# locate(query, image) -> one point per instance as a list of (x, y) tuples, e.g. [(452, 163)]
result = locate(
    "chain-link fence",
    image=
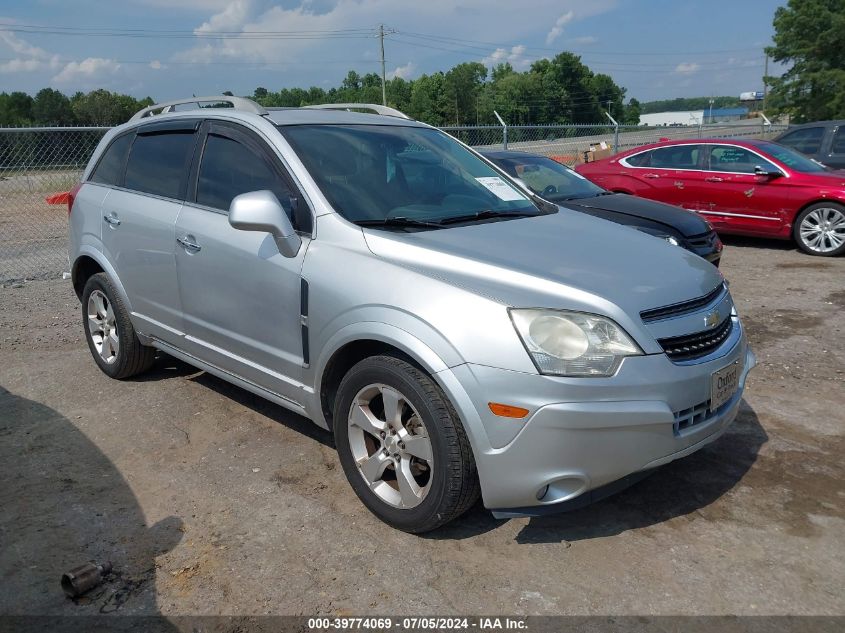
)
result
[(568, 143), (36, 163)]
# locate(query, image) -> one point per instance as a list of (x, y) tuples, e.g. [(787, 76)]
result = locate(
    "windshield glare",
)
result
[(793, 159), (376, 172), (548, 178)]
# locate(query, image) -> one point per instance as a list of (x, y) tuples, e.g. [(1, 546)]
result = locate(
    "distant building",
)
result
[(684, 117), (722, 115)]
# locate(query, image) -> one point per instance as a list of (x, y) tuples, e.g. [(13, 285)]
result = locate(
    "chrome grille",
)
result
[(696, 345), (684, 307)]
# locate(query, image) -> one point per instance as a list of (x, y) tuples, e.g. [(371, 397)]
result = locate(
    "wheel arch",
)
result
[(90, 262), (357, 342)]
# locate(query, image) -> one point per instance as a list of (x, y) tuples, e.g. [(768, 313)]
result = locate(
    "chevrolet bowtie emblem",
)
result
[(712, 319)]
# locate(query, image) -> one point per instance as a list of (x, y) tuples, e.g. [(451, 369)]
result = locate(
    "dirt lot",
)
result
[(211, 501)]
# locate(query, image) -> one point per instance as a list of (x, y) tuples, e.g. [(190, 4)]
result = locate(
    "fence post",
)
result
[(764, 124), (615, 133), (504, 130)]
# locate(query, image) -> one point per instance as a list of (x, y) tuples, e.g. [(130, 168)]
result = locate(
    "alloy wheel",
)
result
[(390, 445), (102, 327), (823, 229)]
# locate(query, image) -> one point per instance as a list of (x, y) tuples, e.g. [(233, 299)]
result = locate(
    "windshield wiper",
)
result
[(487, 213), (399, 221)]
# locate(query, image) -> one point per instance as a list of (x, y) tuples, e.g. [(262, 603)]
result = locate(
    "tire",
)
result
[(820, 229), (428, 494), (109, 331)]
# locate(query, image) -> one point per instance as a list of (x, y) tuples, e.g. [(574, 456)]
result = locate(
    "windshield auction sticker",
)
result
[(500, 188)]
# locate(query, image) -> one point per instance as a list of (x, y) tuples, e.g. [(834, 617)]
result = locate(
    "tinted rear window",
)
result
[(109, 171), (158, 163)]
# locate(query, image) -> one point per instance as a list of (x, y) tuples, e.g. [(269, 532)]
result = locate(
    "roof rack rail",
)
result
[(238, 103), (373, 107)]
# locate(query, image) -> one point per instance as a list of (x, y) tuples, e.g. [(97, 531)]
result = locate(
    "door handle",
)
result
[(112, 219), (714, 179), (651, 175), (188, 244)]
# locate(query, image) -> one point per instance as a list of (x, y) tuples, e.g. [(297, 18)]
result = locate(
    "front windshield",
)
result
[(548, 178), (792, 159), (372, 173)]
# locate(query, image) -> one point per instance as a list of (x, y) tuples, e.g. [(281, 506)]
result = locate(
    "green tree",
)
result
[(809, 35), (51, 107), (463, 87), (15, 109), (632, 113)]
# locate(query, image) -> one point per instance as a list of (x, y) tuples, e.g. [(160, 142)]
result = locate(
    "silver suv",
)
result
[(458, 335)]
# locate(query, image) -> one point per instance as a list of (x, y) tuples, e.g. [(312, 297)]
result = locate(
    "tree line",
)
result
[(555, 91), (50, 107), (562, 90)]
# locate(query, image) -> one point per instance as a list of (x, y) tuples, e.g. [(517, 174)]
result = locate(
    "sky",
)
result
[(169, 49)]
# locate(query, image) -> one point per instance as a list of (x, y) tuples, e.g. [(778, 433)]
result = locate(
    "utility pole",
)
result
[(383, 84), (710, 116), (765, 83)]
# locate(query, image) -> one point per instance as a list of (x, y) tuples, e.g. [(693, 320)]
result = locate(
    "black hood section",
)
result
[(620, 205)]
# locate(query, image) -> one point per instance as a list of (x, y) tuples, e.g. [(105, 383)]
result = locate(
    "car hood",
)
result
[(566, 260), (687, 222)]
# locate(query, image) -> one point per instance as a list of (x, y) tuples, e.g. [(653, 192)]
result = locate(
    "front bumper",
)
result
[(583, 434)]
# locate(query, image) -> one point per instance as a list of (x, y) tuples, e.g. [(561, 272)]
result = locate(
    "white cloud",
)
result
[(157, 65), (687, 68), (28, 58), (90, 68), (557, 29), (403, 72), (585, 40), (503, 22), (515, 56), (231, 18)]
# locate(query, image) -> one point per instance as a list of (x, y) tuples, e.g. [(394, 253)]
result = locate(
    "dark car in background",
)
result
[(823, 141), (561, 185)]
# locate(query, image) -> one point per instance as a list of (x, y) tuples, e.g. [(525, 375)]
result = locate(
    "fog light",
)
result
[(542, 492)]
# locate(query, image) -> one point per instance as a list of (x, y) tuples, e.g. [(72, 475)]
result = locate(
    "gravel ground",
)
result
[(210, 500)]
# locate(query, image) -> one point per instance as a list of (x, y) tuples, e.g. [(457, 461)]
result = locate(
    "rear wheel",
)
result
[(820, 229), (109, 331), (402, 447)]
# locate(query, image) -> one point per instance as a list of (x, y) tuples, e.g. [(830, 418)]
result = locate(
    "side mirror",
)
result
[(759, 171), (261, 211)]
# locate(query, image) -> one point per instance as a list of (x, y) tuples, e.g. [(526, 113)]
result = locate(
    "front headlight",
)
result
[(672, 240), (573, 343)]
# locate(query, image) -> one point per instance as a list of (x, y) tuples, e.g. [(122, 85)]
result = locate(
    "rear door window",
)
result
[(676, 157), (110, 168), (158, 163), (806, 140)]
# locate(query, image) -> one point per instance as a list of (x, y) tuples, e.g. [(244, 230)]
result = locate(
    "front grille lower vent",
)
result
[(685, 307), (694, 346)]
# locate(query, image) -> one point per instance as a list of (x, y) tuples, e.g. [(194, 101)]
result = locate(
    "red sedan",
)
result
[(754, 188)]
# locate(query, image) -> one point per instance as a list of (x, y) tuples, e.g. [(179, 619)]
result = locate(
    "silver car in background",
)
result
[(458, 335)]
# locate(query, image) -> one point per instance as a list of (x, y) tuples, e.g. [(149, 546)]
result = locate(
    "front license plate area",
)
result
[(723, 384)]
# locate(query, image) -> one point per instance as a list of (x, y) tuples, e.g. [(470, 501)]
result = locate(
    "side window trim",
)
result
[(254, 142)]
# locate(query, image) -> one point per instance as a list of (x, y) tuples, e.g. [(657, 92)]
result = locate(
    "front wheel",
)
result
[(402, 447), (820, 229)]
